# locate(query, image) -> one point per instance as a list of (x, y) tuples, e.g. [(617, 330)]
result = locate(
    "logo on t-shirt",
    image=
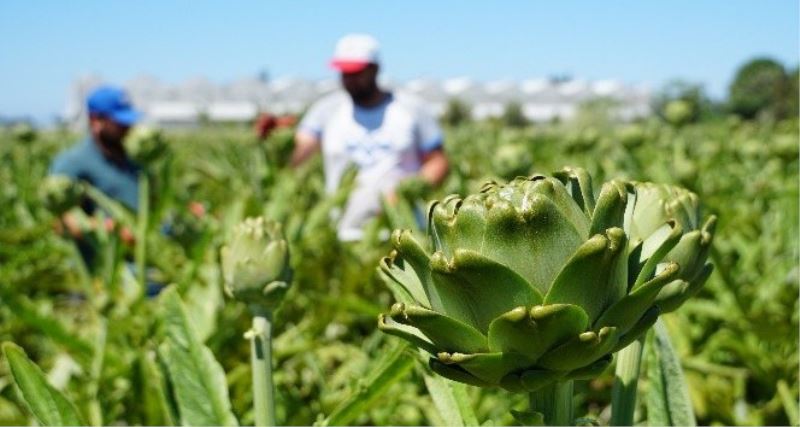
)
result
[(367, 152)]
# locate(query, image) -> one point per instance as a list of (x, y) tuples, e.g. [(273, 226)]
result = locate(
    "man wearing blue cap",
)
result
[(101, 159)]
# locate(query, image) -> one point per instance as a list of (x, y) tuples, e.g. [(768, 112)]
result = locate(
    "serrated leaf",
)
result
[(197, 378), (668, 401)]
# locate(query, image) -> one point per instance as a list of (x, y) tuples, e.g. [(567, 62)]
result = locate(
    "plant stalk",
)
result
[(555, 403), (626, 379), (261, 351)]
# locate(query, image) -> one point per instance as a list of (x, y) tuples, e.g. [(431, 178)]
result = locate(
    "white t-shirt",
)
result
[(386, 143)]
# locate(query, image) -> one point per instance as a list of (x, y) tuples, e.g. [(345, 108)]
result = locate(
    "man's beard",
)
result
[(109, 139), (362, 96)]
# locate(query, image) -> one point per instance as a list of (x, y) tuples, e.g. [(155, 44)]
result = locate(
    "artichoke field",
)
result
[(542, 298)]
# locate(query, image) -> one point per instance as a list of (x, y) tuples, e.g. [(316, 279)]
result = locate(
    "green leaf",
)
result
[(157, 408), (533, 332), (408, 333), (451, 400), (385, 372), (579, 185), (29, 314), (414, 253), (640, 328), (446, 333), (48, 405), (197, 378), (534, 242), (672, 234), (488, 367), (595, 277), (627, 311), (456, 373), (580, 351), (667, 399), (476, 289), (610, 209), (401, 280)]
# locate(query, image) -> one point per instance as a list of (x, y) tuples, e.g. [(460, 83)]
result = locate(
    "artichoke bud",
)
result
[(255, 264), (657, 205), (535, 280), (512, 160), (60, 193), (145, 145)]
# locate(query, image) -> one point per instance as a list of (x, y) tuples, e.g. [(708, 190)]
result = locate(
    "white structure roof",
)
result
[(232, 111), (172, 112), (242, 99)]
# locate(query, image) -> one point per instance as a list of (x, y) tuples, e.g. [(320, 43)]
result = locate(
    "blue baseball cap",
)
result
[(114, 103)]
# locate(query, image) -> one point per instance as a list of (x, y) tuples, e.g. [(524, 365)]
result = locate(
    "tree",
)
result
[(761, 87), (456, 112), (513, 116)]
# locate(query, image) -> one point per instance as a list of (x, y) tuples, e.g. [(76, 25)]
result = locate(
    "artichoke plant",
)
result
[(536, 281), (512, 160), (255, 266)]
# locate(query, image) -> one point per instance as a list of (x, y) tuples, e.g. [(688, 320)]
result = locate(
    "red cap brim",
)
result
[(349, 66)]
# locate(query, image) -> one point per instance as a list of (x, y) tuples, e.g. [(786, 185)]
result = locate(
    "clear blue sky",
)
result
[(45, 45)]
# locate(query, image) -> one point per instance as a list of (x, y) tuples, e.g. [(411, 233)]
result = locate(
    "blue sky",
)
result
[(45, 45)]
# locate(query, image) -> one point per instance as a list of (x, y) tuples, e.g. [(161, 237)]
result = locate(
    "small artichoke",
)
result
[(678, 112), (60, 193), (145, 145), (662, 212), (512, 160), (537, 281), (255, 264)]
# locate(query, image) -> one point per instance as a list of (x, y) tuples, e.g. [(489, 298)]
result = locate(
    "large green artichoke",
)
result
[(255, 264), (537, 281)]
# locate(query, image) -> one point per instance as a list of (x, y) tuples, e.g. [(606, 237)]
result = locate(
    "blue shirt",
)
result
[(84, 161)]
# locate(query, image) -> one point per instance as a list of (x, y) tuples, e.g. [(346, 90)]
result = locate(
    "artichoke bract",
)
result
[(537, 281), (255, 264)]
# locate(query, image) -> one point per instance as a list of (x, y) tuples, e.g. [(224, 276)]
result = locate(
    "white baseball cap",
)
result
[(354, 52)]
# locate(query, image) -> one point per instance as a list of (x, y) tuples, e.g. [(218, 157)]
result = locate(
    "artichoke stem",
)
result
[(626, 378), (261, 351), (555, 403)]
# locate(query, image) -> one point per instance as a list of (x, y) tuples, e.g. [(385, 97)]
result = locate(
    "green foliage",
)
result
[(736, 338), (47, 404), (680, 102), (456, 112), (668, 402), (197, 379), (513, 115)]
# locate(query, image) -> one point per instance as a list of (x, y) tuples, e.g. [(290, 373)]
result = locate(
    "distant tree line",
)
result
[(762, 88)]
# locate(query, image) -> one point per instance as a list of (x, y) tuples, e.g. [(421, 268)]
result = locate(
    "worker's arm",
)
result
[(305, 145), (432, 173), (434, 167)]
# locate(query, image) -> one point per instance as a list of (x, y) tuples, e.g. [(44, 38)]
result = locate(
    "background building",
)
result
[(199, 100)]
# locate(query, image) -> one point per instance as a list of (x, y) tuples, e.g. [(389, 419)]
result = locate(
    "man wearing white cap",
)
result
[(389, 136)]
